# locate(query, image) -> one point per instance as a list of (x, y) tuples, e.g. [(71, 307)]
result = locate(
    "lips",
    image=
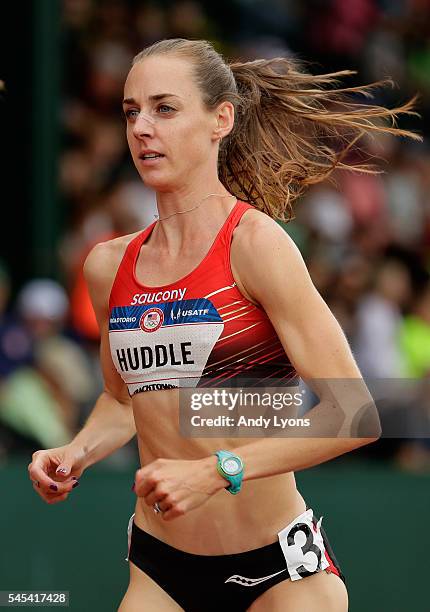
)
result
[(150, 155)]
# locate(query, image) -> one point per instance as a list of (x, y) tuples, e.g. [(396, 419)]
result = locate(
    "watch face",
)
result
[(231, 466)]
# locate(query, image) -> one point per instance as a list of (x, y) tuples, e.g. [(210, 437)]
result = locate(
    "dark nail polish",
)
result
[(133, 486), (74, 478), (53, 487), (76, 484)]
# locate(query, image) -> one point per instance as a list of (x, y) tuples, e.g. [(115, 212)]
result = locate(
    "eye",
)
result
[(131, 114), (165, 108)]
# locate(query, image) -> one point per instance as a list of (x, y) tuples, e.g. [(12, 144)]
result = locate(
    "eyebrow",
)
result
[(154, 98)]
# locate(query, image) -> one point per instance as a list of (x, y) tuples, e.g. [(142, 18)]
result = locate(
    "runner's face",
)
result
[(176, 125)]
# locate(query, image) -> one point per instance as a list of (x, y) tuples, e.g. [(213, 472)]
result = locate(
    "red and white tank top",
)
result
[(197, 331)]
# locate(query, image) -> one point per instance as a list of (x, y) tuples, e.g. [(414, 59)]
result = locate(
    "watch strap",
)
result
[(236, 479)]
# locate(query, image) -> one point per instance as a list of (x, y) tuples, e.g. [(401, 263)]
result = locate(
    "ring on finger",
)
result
[(157, 508)]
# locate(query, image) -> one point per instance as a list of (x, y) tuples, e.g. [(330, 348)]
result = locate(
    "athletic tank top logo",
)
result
[(151, 320), (158, 296)]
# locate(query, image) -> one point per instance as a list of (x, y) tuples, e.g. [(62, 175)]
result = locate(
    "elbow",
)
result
[(371, 433), (355, 443), (364, 441), (366, 430), (366, 427)]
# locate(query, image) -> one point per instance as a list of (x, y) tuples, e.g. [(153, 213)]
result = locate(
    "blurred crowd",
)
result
[(366, 239)]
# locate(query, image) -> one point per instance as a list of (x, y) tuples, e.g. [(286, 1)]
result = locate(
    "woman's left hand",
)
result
[(177, 485)]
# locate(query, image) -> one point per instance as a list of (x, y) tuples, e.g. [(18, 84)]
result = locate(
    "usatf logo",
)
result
[(188, 313), (152, 320)]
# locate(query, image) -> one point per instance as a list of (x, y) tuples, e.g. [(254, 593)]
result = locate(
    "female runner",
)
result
[(214, 290)]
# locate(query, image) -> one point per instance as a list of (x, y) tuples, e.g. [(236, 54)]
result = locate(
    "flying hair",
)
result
[(292, 129)]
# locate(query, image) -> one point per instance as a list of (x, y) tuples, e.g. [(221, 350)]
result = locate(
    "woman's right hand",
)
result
[(55, 472)]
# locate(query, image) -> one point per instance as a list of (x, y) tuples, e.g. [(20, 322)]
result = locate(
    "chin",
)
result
[(158, 181)]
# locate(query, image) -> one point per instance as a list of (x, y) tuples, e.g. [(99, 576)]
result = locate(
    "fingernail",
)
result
[(74, 478), (76, 484), (133, 486), (53, 487)]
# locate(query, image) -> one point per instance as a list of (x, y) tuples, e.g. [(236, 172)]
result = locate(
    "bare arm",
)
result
[(111, 423), (109, 426), (315, 345)]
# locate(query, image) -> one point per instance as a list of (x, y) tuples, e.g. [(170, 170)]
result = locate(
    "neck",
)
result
[(185, 197), (185, 227)]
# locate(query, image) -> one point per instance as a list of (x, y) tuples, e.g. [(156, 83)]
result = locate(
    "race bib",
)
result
[(164, 345), (303, 546)]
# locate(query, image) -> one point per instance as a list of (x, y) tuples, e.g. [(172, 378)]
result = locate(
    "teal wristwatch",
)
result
[(230, 466)]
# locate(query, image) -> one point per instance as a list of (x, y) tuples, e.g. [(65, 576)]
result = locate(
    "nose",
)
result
[(143, 125)]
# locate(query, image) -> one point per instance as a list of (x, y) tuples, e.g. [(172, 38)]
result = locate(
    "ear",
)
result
[(224, 120)]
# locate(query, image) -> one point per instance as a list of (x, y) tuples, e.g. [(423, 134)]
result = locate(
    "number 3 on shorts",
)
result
[(303, 547)]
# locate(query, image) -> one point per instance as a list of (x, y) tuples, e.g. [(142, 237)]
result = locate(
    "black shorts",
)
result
[(232, 582)]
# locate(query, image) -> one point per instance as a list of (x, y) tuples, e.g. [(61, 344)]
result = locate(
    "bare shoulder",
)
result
[(100, 268), (103, 260), (259, 233), (265, 259)]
